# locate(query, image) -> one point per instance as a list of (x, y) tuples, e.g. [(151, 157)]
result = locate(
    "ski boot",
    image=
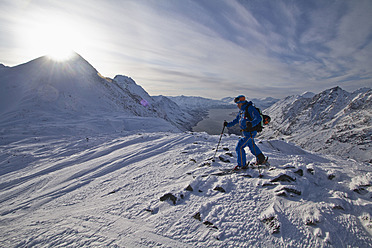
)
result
[(262, 160)]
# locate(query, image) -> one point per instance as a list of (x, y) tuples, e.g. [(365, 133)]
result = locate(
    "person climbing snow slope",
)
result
[(248, 119)]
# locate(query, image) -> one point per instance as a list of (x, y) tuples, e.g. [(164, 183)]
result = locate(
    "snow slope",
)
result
[(158, 189), (87, 161), (332, 122)]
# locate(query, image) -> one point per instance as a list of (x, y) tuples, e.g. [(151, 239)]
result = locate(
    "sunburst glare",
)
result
[(60, 54), (56, 38)]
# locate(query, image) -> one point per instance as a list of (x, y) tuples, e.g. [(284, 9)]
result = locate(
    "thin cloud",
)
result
[(211, 48)]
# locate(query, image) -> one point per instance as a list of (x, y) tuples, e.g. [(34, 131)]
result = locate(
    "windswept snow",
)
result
[(105, 191), (88, 161)]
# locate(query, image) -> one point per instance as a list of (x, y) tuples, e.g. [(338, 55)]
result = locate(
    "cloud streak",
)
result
[(213, 48)]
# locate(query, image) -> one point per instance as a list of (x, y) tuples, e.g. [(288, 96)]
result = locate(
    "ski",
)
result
[(223, 172)]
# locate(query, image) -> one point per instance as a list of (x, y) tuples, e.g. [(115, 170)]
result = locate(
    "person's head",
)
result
[(240, 100)]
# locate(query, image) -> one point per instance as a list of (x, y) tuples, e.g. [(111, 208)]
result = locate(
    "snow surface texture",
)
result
[(158, 189), (332, 122), (83, 163)]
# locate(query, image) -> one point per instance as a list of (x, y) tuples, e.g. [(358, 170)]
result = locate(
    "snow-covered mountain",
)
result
[(264, 103), (184, 119), (62, 186), (196, 107), (215, 111), (74, 93), (199, 103), (261, 103), (333, 121)]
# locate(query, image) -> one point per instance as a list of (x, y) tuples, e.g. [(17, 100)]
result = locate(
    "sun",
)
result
[(58, 40), (55, 37), (60, 54)]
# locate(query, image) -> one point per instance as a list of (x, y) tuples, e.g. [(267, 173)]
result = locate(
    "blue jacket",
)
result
[(242, 120)]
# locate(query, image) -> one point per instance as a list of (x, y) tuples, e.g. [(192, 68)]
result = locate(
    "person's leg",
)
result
[(260, 158), (253, 147), (240, 152)]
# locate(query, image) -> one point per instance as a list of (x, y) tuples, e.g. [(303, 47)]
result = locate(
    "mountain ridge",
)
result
[(333, 121), (73, 93), (110, 171), (44, 90)]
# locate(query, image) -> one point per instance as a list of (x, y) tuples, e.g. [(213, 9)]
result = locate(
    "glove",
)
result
[(249, 125), (225, 123)]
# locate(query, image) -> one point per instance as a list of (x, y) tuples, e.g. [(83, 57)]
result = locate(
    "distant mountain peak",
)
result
[(337, 88), (63, 91), (307, 94), (75, 65), (333, 121), (123, 78)]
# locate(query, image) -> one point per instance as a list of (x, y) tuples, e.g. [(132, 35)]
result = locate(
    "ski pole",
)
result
[(223, 129), (258, 166)]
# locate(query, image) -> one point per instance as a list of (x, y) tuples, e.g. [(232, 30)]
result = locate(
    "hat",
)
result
[(239, 99)]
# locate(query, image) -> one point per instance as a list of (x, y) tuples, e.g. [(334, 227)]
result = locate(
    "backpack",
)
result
[(265, 120)]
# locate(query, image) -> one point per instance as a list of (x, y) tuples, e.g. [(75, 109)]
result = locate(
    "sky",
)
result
[(208, 48)]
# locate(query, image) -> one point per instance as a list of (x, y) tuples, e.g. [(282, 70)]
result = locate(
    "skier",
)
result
[(248, 128)]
